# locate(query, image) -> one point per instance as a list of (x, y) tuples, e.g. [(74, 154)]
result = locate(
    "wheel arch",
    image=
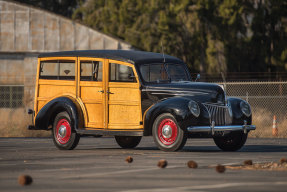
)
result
[(178, 107), (48, 112)]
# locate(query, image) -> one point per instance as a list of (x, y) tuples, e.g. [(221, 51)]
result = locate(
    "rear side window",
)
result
[(57, 69), (121, 73), (91, 71)]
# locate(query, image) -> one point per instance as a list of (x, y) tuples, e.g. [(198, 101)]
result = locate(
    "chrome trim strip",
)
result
[(212, 129), (216, 104)]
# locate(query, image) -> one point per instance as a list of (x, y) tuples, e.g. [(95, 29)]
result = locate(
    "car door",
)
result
[(123, 97), (91, 91)]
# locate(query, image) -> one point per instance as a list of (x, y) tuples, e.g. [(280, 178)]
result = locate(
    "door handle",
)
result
[(108, 92), (102, 91)]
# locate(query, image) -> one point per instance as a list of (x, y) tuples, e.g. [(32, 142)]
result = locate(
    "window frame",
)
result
[(135, 79), (58, 59), (83, 59)]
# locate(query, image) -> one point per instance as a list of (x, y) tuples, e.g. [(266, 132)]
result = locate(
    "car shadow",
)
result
[(185, 149), (245, 149), (264, 148)]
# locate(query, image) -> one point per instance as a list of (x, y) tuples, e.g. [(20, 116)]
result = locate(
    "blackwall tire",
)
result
[(231, 142), (64, 137), (167, 134), (128, 142)]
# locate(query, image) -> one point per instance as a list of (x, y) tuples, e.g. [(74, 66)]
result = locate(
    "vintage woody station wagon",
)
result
[(130, 94)]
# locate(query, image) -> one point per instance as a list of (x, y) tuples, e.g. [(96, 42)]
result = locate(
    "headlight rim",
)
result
[(191, 109), (243, 111)]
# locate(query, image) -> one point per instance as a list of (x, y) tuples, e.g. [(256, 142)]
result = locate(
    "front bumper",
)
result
[(212, 128)]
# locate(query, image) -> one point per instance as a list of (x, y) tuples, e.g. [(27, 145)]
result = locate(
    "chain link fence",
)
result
[(267, 100)]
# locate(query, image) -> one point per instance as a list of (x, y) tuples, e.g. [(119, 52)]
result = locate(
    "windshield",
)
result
[(156, 73)]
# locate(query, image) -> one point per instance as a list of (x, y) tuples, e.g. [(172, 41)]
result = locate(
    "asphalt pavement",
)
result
[(98, 164)]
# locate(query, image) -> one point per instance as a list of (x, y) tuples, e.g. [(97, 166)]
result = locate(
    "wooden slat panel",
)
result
[(123, 114), (56, 82), (124, 94), (125, 126), (95, 115), (41, 104), (50, 91), (91, 93)]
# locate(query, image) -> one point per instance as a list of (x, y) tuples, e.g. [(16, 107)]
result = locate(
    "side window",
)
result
[(121, 73), (91, 71), (177, 72), (57, 69), (153, 73), (145, 72)]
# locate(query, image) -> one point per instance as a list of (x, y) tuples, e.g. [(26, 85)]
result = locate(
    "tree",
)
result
[(211, 36), (61, 7)]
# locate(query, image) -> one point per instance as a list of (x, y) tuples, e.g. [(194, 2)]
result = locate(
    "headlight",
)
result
[(245, 108), (194, 108)]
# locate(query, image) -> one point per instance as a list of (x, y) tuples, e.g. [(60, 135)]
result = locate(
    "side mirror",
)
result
[(197, 77)]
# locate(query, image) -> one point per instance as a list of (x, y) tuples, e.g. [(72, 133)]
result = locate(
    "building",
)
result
[(25, 32)]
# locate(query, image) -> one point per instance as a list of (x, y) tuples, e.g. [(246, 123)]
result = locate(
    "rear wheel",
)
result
[(128, 142), (64, 136), (231, 142), (167, 134)]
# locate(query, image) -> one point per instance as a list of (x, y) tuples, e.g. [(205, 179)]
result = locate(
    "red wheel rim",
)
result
[(167, 131), (63, 131)]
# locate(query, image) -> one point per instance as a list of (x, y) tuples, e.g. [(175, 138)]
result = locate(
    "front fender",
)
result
[(47, 114), (177, 106), (237, 116)]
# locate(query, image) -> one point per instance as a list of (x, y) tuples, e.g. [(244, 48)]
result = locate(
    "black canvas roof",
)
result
[(130, 56)]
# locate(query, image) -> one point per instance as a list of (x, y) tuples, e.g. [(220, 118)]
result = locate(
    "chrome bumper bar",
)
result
[(212, 128)]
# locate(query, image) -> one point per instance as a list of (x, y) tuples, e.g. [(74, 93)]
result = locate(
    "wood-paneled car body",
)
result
[(130, 94)]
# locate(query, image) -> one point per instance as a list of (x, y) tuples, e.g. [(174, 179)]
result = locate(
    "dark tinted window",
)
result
[(91, 71), (58, 69), (176, 72), (154, 73), (121, 73), (163, 72)]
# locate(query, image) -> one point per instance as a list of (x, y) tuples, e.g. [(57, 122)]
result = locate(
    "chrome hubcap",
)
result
[(166, 131), (62, 131)]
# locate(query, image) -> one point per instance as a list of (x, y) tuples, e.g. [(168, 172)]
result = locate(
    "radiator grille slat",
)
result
[(219, 114)]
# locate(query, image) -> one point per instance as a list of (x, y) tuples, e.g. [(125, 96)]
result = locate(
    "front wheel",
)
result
[(231, 142), (63, 136), (128, 142), (167, 134)]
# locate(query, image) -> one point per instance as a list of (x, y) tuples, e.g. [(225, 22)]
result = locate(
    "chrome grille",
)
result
[(219, 114)]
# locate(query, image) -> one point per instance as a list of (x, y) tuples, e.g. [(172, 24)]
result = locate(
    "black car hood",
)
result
[(198, 91)]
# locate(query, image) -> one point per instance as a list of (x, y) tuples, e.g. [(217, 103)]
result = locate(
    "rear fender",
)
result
[(47, 114)]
